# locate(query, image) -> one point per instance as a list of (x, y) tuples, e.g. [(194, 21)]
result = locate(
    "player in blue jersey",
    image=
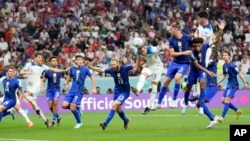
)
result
[(121, 89), (10, 84), (33, 71), (78, 74), (53, 90), (179, 49), (231, 71), (204, 31)]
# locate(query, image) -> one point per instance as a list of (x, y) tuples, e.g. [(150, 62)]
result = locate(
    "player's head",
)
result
[(226, 55), (203, 17), (53, 61), (214, 55), (11, 71), (79, 60), (114, 64), (138, 42), (175, 28), (197, 44), (38, 58)]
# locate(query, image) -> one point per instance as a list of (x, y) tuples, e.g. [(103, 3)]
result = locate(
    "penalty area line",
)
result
[(242, 116), (3, 139)]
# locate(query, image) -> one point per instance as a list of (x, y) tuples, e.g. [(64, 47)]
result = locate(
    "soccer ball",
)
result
[(138, 42)]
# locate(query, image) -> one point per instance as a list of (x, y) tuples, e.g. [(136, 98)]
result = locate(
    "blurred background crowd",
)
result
[(102, 29)]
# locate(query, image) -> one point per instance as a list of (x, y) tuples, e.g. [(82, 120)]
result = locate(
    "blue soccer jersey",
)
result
[(121, 78), (79, 76), (180, 45), (232, 71), (200, 57), (53, 80), (212, 66)]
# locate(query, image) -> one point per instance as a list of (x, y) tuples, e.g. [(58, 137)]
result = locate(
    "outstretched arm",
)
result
[(197, 65), (221, 79), (221, 26), (243, 80)]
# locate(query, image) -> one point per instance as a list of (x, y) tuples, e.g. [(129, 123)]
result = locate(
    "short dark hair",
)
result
[(227, 52), (37, 54), (176, 25), (203, 14), (79, 56), (53, 57), (197, 40)]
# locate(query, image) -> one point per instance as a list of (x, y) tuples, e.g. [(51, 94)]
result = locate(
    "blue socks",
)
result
[(176, 91), (186, 96), (225, 109), (162, 94), (123, 117), (208, 113), (109, 117), (231, 106), (77, 116)]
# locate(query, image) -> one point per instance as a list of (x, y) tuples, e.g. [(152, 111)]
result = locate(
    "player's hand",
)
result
[(43, 91), (246, 86), (211, 74), (94, 91), (134, 68), (222, 24)]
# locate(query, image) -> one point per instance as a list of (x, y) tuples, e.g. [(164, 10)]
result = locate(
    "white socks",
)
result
[(141, 82), (152, 96)]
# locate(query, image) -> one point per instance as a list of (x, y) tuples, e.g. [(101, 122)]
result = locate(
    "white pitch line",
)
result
[(3, 139), (242, 116)]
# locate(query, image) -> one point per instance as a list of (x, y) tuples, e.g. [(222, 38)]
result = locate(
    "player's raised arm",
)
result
[(93, 84), (43, 78), (221, 26), (243, 80), (197, 65)]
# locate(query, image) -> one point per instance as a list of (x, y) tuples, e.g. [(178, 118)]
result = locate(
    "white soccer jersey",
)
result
[(34, 79), (206, 31), (152, 58)]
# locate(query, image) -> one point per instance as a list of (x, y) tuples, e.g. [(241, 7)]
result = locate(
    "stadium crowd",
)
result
[(102, 29)]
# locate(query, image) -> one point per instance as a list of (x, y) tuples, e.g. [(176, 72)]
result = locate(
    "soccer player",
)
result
[(204, 31), (153, 67), (33, 71), (121, 89), (230, 70), (53, 90), (78, 73), (179, 49), (199, 57), (11, 84)]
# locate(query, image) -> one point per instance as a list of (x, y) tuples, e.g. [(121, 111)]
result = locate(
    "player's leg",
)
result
[(202, 80), (140, 84), (119, 102), (6, 104), (19, 109), (54, 106), (182, 69), (76, 101), (232, 106), (225, 101)]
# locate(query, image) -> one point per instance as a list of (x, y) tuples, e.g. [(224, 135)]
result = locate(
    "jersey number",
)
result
[(120, 81)]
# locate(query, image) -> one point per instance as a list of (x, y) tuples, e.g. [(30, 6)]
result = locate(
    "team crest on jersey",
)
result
[(226, 70), (179, 44)]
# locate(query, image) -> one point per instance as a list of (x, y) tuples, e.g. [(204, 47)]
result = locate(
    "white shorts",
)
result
[(154, 71), (35, 91)]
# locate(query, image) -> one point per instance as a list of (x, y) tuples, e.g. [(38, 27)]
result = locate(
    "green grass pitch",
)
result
[(164, 124)]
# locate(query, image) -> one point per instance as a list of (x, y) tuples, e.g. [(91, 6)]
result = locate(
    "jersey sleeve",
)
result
[(88, 72), (107, 70), (206, 33), (44, 74), (129, 67), (235, 68), (153, 49), (19, 84), (224, 70), (45, 67), (2, 78), (193, 58), (27, 66)]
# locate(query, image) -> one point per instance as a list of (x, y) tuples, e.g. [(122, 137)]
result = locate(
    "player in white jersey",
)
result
[(33, 71), (153, 67)]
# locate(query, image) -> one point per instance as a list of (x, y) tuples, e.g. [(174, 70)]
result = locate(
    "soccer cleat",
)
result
[(38, 113), (220, 119), (201, 111), (52, 123), (193, 98), (58, 121), (211, 124), (238, 113), (29, 124), (78, 125), (103, 126), (47, 123), (12, 113), (184, 109), (126, 124), (146, 110), (135, 91), (158, 106), (173, 104)]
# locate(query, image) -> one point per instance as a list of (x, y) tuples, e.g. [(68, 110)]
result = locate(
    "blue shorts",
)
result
[(9, 103), (121, 97), (51, 95), (210, 92), (229, 92), (175, 68), (73, 98), (193, 76)]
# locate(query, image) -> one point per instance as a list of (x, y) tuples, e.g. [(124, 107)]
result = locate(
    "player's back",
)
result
[(207, 32), (180, 45), (232, 70), (78, 75), (212, 81)]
